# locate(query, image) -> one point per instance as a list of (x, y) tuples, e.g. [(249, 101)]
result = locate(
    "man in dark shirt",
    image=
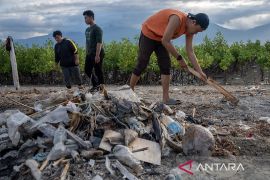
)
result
[(66, 53), (94, 50)]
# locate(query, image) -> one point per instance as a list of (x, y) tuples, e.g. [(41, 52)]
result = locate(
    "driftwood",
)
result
[(19, 103), (65, 171)]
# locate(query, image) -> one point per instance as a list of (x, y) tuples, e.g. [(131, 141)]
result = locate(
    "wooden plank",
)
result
[(143, 150), (214, 84), (14, 65), (151, 154)]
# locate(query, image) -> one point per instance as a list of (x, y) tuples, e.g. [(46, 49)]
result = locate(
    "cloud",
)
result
[(24, 19), (247, 22)]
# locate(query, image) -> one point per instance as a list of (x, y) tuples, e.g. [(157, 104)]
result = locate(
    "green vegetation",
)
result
[(121, 56)]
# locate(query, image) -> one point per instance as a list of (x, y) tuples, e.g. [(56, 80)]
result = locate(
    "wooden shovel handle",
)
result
[(213, 83)]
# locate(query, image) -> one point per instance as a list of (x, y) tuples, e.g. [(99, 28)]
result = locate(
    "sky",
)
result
[(28, 18)]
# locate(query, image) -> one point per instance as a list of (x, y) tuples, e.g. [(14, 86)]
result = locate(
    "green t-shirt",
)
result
[(93, 36)]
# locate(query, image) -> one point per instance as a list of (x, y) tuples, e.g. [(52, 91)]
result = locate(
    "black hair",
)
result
[(55, 33), (89, 13)]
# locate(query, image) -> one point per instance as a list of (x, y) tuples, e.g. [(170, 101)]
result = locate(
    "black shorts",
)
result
[(146, 47)]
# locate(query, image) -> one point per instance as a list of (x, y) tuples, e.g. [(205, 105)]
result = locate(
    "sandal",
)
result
[(173, 102)]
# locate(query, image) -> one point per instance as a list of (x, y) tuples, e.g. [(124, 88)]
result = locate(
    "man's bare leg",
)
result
[(133, 81), (165, 81)]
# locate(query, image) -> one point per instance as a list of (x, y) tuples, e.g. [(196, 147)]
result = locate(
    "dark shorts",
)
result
[(146, 47)]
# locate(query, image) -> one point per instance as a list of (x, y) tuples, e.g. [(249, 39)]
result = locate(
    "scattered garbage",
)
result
[(13, 124), (88, 154), (266, 119), (130, 136), (116, 129), (243, 126), (124, 155), (33, 165), (173, 126), (180, 115)]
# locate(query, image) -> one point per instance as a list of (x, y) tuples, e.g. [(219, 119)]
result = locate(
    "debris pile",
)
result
[(113, 128)]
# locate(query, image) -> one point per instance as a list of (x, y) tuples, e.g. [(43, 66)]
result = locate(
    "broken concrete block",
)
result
[(198, 141)]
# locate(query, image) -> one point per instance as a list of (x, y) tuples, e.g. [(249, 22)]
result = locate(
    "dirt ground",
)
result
[(236, 129)]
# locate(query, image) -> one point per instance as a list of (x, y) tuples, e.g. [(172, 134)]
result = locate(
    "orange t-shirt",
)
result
[(154, 27)]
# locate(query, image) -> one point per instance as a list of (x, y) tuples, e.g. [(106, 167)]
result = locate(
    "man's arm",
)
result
[(73, 46), (56, 55), (192, 57), (173, 24), (74, 50), (99, 44)]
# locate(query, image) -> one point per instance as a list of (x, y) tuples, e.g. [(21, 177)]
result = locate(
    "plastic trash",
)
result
[(136, 125), (60, 135), (180, 115), (266, 119), (54, 98), (88, 97), (40, 157), (92, 162), (33, 165), (71, 107), (125, 156), (79, 141), (5, 142), (38, 106), (75, 155), (96, 98), (47, 129), (198, 141), (97, 177), (173, 126), (102, 119), (13, 123), (76, 93), (124, 92), (5, 115), (59, 149), (244, 126), (56, 116)]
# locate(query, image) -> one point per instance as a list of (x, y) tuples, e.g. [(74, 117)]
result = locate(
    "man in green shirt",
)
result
[(94, 50)]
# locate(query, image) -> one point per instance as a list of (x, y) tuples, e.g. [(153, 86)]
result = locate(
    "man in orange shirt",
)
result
[(157, 32)]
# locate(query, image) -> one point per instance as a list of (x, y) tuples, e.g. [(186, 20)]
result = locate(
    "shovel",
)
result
[(213, 83)]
